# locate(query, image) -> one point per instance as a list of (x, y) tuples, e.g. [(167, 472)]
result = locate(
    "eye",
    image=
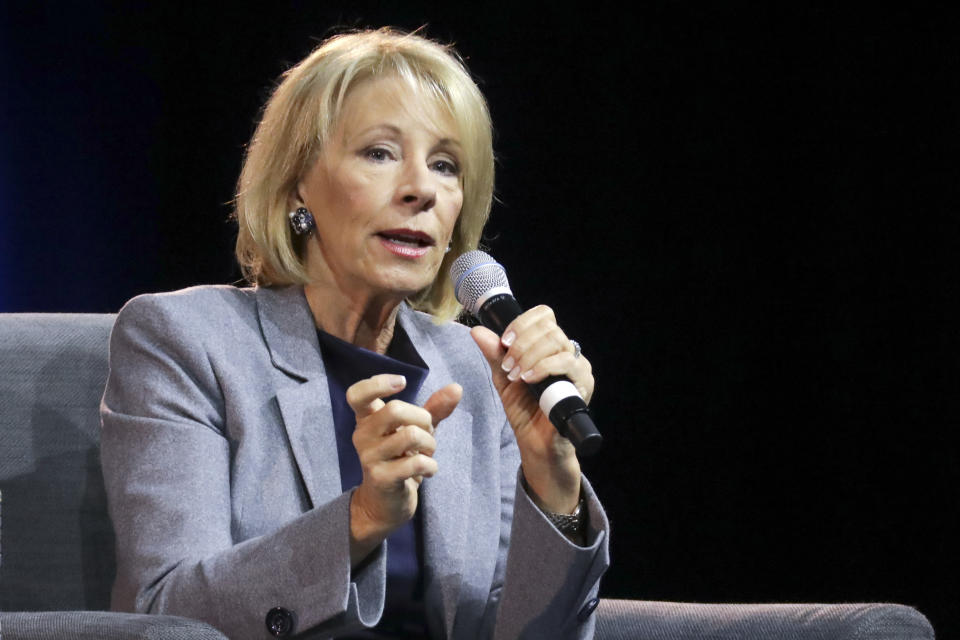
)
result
[(377, 154), (445, 167)]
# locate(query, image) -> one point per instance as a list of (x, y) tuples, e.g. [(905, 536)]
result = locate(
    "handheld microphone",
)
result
[(480, 284)]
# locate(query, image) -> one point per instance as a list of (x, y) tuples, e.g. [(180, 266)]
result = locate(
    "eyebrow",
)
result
[(392, 128)]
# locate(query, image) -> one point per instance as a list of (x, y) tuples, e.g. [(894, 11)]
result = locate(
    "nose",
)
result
[(417, 188)]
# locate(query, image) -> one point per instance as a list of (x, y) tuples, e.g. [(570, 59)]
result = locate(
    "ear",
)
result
[(295, 199)]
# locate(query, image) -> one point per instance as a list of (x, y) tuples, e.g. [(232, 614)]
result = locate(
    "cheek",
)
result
[(455, 204), (363, 197), (355, 201)]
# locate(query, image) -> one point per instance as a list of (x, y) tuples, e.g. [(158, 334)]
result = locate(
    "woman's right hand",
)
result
[(394, 441)]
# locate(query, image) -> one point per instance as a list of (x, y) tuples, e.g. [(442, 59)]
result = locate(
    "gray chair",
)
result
[(57, 541)]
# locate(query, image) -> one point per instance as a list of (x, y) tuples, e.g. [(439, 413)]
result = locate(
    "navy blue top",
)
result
[(346, 364)]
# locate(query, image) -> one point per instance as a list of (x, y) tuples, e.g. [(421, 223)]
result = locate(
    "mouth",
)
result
[(406, 243), (407, 237)]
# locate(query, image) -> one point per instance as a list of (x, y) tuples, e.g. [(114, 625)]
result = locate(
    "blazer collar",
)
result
[(288, 329)]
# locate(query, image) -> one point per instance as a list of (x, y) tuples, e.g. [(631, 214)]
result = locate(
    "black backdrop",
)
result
[(747, 215)]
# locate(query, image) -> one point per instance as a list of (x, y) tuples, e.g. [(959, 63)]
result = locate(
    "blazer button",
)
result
[(280, 622), (587, 610)]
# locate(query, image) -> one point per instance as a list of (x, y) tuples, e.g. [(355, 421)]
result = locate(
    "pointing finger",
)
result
[(365, 397)]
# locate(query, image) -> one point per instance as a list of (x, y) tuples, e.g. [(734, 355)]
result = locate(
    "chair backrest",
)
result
[(57, 538)]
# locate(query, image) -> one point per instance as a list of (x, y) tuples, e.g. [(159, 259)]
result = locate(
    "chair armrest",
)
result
[(102, 625), (628, 619)]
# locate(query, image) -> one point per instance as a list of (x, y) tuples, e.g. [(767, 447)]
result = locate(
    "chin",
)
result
[(403, 283)]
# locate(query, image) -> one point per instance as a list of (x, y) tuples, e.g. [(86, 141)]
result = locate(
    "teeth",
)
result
[(410, 242)]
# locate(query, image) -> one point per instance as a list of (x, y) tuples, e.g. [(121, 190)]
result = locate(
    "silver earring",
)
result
[(301, 221), (449, 247)]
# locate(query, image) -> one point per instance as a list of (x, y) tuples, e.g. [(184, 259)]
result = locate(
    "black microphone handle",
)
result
[(570, 415), (498, 311)]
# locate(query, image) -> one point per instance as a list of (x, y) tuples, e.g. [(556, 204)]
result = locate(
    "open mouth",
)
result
[(406, 237), (406, 243)]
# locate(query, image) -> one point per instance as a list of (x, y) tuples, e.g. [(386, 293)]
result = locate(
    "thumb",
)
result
[(489, 344), (490, 347), (443, 401)]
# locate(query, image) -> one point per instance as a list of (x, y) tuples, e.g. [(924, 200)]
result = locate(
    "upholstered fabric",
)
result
[(102, 625), (632, 619), (56, 533), (55, 536)]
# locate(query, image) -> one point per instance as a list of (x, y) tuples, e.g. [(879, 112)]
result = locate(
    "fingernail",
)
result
[(526, 375), (507, 363), (514, 373), (508, 338), (398, 382)]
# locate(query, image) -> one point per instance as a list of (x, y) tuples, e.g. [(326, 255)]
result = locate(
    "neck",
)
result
[(366, 322)]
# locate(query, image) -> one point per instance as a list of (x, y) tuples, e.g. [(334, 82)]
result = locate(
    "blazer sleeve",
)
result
[(544, 586), (167, 467)]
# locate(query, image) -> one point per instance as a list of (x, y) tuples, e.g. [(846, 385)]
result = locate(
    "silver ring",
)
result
[(576, 348)]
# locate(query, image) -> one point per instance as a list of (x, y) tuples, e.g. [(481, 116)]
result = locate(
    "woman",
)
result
[(325, 452)]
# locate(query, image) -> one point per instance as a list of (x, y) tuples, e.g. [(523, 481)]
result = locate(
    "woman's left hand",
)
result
[(532, 348)]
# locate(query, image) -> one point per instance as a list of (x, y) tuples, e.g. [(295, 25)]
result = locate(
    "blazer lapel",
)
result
[(289, 331), (445, 498)]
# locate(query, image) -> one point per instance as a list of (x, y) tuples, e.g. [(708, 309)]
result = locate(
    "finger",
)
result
[(391, 473), (489, 344), (365, 397), (578, 370), (531, 338), (397, 413), (549, 343), (443, 401), (531, 317), (372, 428), (405, 441)]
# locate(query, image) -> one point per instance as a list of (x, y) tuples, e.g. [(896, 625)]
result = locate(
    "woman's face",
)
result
[(385, 192)]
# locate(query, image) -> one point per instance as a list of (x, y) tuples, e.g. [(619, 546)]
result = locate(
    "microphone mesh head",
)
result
[(473, 274)]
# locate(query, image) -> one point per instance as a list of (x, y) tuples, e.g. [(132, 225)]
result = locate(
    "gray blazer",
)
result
[(224, 487)]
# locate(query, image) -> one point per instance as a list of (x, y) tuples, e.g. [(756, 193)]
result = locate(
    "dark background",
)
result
[(748, 215)]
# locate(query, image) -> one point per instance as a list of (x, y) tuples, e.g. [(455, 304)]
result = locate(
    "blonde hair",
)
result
[(301, 115)]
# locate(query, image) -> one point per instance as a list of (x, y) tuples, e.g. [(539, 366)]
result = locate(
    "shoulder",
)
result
[(194, 308), (185, 318), (164, 350), (203, 300)]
